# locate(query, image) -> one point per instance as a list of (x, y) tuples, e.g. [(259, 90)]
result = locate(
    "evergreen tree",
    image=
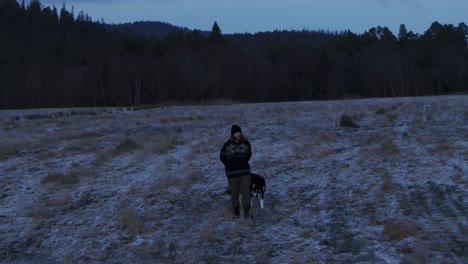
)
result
[(66, 18), (216, 35), (403, 33), (50, 59)]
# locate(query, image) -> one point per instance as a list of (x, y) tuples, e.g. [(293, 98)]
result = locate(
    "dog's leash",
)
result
[(212, 181), (204, 190)]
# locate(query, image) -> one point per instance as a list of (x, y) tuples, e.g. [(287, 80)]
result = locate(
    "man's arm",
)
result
[(249, 153), (223, 155)]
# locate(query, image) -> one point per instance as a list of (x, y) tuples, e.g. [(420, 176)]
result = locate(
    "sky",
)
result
[(240, 16)]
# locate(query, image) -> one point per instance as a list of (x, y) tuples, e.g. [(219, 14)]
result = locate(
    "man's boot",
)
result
[(247, 214), (236, 212)]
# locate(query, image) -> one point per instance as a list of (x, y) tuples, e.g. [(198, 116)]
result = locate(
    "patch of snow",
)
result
[(150, 185)]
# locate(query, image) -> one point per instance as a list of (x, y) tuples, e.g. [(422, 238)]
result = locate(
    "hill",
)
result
[(103, 185)]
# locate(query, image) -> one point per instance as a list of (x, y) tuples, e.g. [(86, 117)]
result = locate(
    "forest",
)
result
[(51, 57)]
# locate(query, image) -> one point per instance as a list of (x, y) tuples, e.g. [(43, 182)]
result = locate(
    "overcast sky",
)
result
[(239, 16)]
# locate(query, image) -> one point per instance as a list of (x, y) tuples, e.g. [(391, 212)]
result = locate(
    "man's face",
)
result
[(237, 135)]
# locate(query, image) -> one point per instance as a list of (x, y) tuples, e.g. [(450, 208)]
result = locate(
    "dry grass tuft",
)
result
[(387, 185), (58, 200), (444, 147), (202, 148), (10, 148), (347, 121), (38, 212), (370, 139), (126, 145), (372, 213), (7, 152), (71, 177), (388, 148), (134, 189), (163, 185), (458, 178), (226, 213), (264, 253), (193, 175), (415, 258), (325, 137), (100, 157), (165, 144), (392, 118), (406, 248), (74, 147), (304, 151), (208, 235), (162, 146), (399, 229), (85, 135), (306, 234), (131, 221), (315, 146), (380, 111)]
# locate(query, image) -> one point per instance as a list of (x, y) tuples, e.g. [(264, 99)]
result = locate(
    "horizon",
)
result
[(358, 17)]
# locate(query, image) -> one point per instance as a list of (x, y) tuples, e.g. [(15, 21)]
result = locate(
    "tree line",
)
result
[(54, 58)]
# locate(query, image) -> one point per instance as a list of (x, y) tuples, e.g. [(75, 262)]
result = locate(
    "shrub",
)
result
[(100, 157), (163, 146), (389, 148), (387, 185), (8, 151), (70, 177), (397, 230), (380, 111), (347, 121), (38, 212), (126, 145), (131, 221)]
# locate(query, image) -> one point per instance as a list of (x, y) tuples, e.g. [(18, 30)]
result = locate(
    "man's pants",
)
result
[(240, 185)]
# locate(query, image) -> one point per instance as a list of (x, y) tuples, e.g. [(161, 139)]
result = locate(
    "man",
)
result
[(235, 155)]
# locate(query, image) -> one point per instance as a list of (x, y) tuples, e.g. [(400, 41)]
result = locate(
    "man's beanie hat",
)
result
[(235, 129)]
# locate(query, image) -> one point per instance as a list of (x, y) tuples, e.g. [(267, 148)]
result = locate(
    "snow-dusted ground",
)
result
[(119, 186)]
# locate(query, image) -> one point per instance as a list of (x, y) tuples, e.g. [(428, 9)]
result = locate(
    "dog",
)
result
[(257, 188)]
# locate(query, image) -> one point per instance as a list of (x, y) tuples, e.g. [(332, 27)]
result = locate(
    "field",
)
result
[(355, 181)]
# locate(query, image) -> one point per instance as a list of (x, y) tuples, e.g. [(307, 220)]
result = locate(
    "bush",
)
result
[(131, 221), (57, 177), (126, 145), (388, 148), (347, 121), (398, 230)]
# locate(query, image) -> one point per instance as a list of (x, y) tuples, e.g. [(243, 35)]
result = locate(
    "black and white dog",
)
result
[(257, 188)]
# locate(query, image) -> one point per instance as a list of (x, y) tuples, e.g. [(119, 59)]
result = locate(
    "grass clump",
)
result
[(388, 148), (126, 145), (380, 111), (131, 221), (387, 184), (70, 177), (395, 230), (38, 212), (347, 121)]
